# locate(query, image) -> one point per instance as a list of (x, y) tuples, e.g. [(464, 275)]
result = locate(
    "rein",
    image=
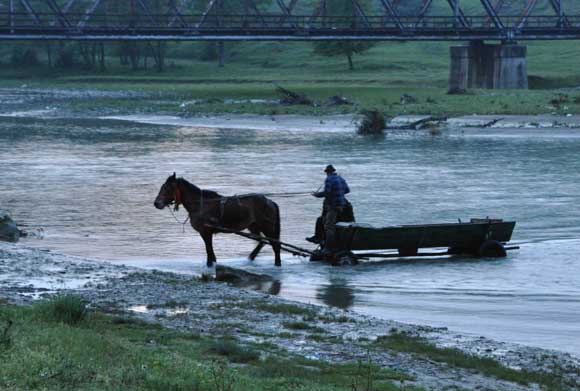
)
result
[(179, 201), (176, 219)]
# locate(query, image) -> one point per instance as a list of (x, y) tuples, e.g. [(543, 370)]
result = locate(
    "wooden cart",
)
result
[(478, 237)]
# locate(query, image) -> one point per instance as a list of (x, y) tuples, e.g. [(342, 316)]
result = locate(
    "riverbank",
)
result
[(262, 110), (280, 327), (348, 122)]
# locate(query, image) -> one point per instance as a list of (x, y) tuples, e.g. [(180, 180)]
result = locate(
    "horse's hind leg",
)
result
[(258, 248), (278, 259), (256, 251), (274, 236), (211, 258)]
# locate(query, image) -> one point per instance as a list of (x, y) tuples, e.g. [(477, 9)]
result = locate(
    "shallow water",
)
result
[(90, 184)]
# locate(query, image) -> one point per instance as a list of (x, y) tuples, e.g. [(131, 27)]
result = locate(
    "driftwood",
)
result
[(338, 100), (288, 97)]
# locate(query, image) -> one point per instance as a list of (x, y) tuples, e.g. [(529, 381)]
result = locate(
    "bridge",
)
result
[(313, 20)]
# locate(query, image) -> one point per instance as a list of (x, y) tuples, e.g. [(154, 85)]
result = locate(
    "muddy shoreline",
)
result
[(216, 309), (348, 122)]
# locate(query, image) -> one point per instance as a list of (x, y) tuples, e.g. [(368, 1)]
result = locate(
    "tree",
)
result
[(238, 8), (346, 11)]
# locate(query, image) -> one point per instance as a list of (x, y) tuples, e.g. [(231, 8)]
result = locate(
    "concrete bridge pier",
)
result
[(480, 65)]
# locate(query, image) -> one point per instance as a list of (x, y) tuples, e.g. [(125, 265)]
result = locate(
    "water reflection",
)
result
[(336, 294)]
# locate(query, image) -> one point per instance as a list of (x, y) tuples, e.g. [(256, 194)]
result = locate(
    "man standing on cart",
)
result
[(335, 203)]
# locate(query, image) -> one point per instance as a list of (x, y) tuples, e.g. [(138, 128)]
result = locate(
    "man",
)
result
[(335, 204)]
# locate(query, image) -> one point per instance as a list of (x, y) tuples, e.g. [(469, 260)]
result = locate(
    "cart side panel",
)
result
[(461, 235)]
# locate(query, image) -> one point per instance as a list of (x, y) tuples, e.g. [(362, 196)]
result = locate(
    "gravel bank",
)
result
[(186, 303)]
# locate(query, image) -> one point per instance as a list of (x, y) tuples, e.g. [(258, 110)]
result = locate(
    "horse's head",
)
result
[(168, 193)]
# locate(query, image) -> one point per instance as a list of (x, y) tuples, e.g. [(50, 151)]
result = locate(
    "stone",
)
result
[(9, 232), (239, 277)]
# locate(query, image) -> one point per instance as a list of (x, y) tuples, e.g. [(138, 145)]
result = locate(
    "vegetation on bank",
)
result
[(401, 342), (383, 78), (58, 344)]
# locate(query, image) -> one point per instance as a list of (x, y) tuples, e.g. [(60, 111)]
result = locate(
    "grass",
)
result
[(288, 309), (233, 351), (302, 326), (401, 342), (68, 309), (113, 353), (254, 70)]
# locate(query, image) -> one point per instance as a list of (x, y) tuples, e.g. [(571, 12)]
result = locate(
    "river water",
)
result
[(90, 184)]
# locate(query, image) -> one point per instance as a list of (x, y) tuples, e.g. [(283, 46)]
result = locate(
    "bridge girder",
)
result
[(207, 20)]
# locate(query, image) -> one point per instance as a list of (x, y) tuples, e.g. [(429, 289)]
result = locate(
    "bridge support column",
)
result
[(480, 65)]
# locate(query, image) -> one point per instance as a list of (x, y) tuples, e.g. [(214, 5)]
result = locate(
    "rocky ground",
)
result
[(212, 308)]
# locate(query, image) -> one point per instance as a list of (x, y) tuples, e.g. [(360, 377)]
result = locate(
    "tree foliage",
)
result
[(345, 15)]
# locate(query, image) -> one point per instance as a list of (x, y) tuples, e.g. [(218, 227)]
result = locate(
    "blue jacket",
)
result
[(335, 187)]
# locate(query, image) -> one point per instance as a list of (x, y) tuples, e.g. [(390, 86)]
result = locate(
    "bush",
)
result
[(5, 336), (209, 52), (372, 122), (68, 309), (24, 57), (233, 351)]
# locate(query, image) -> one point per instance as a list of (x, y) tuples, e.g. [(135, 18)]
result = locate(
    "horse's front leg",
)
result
[(207, 239)]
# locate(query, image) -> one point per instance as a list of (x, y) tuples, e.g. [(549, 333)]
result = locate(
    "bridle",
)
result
[(178, 200)]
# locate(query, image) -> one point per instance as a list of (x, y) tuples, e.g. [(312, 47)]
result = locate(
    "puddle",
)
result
[(143, 309)]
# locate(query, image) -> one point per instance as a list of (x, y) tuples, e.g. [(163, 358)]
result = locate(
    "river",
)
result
[(90, 185)]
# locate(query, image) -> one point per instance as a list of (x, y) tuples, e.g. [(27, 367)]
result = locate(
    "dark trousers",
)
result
[(345, 214)]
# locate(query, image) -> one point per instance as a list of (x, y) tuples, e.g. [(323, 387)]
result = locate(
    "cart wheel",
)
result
[(456, 251), (491, 249), (316, 256), (345, 258)]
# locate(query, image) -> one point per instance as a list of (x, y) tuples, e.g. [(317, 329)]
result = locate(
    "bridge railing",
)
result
[(77, 23)]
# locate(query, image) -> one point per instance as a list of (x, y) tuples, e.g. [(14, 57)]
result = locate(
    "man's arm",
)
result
[(327, 189)]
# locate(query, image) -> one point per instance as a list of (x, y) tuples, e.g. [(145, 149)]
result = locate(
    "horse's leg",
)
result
[(207, 239), (260, 245), (278, 259), (273, 232), (256, 251)]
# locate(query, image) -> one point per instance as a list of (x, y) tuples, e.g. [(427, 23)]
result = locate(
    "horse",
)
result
[(210, 211)]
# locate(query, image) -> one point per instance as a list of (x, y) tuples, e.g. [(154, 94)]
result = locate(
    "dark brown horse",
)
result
[(209, 211)]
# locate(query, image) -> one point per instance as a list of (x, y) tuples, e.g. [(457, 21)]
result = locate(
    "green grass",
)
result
[(233, 351), (117, 353), (302, 326), (401, 342), (253, 70), (67, 309), (282, 308)]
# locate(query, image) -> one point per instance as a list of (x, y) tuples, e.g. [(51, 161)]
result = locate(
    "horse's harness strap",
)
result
[(223, 202)]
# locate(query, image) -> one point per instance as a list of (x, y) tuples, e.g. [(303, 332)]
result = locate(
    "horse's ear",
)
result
[(173, 175)]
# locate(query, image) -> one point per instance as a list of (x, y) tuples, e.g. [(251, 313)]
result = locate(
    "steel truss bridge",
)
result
[(284, 20)]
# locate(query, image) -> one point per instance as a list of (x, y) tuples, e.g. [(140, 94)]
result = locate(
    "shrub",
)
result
[(5, 337), (24, 57), (233, 351), (68, 309), (372, 122)]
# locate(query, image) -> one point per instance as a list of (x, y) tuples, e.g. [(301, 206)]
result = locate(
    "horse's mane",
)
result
[(195, 189)]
